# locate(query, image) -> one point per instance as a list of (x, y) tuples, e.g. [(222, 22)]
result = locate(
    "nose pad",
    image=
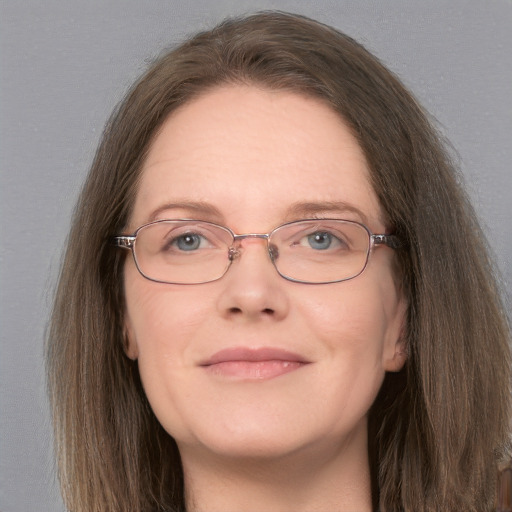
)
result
[(235, 252), (273, 252)]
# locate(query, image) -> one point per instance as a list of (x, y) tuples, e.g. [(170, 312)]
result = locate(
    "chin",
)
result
[(254, 446), (265, 439)]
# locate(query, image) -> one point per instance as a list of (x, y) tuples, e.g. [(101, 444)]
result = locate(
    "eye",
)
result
[(323, 240), (184, 242), (320, 240), (188, 242), (180, 239)]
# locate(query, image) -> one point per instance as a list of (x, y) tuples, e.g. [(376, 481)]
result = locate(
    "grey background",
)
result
[(65, 64)]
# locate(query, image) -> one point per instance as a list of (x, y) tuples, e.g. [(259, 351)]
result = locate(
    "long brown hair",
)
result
[(436, 428)]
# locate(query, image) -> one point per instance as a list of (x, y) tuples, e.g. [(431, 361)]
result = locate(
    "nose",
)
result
[(252, 288)]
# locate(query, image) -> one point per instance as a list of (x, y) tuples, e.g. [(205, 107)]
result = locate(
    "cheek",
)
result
[(349, 316), (357, 324), (161, 318), (163, 326), (346, 327)]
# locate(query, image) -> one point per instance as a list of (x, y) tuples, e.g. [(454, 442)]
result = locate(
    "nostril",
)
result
[(239, 311)]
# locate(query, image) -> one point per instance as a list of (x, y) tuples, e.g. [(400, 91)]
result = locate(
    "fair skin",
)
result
[(295, 440)]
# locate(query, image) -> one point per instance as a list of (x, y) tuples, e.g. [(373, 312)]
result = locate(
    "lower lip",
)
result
[(254, 370)]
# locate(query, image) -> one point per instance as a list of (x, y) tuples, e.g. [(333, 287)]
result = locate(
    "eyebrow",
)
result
[(297, 211), (309, 209), (197, 207)]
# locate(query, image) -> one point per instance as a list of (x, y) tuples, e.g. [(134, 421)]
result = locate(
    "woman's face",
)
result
[(252, 159)]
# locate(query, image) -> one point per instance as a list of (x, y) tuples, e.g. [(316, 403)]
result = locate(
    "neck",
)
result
[(312, 479)]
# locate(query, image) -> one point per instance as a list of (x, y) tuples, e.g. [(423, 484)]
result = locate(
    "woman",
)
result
[(308, 318)]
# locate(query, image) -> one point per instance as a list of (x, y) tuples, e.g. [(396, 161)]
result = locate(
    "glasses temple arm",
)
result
[(126, 242), (391, 241)]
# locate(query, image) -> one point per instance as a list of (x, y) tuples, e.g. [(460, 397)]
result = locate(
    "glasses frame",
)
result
[(375, 240)]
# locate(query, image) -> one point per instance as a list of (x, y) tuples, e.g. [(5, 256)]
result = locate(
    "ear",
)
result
[(129, 341), (397, 360), (396, 350)]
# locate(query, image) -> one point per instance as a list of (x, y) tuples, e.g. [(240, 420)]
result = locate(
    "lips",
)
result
[(253, 364)]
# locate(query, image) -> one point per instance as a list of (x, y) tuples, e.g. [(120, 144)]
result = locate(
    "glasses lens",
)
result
[(320, 251), (182, 252)]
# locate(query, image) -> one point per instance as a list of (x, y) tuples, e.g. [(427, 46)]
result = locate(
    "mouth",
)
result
[(253, 364)]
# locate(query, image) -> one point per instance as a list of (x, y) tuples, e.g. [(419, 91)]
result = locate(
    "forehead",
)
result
[(253, 153)]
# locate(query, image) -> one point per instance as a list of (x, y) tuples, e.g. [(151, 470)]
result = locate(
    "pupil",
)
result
[(320, 240)]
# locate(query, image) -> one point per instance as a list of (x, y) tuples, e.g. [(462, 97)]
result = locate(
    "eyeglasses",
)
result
[(314, 251)]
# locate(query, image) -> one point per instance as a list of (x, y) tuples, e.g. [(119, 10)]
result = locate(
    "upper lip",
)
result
[(253, 355)]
